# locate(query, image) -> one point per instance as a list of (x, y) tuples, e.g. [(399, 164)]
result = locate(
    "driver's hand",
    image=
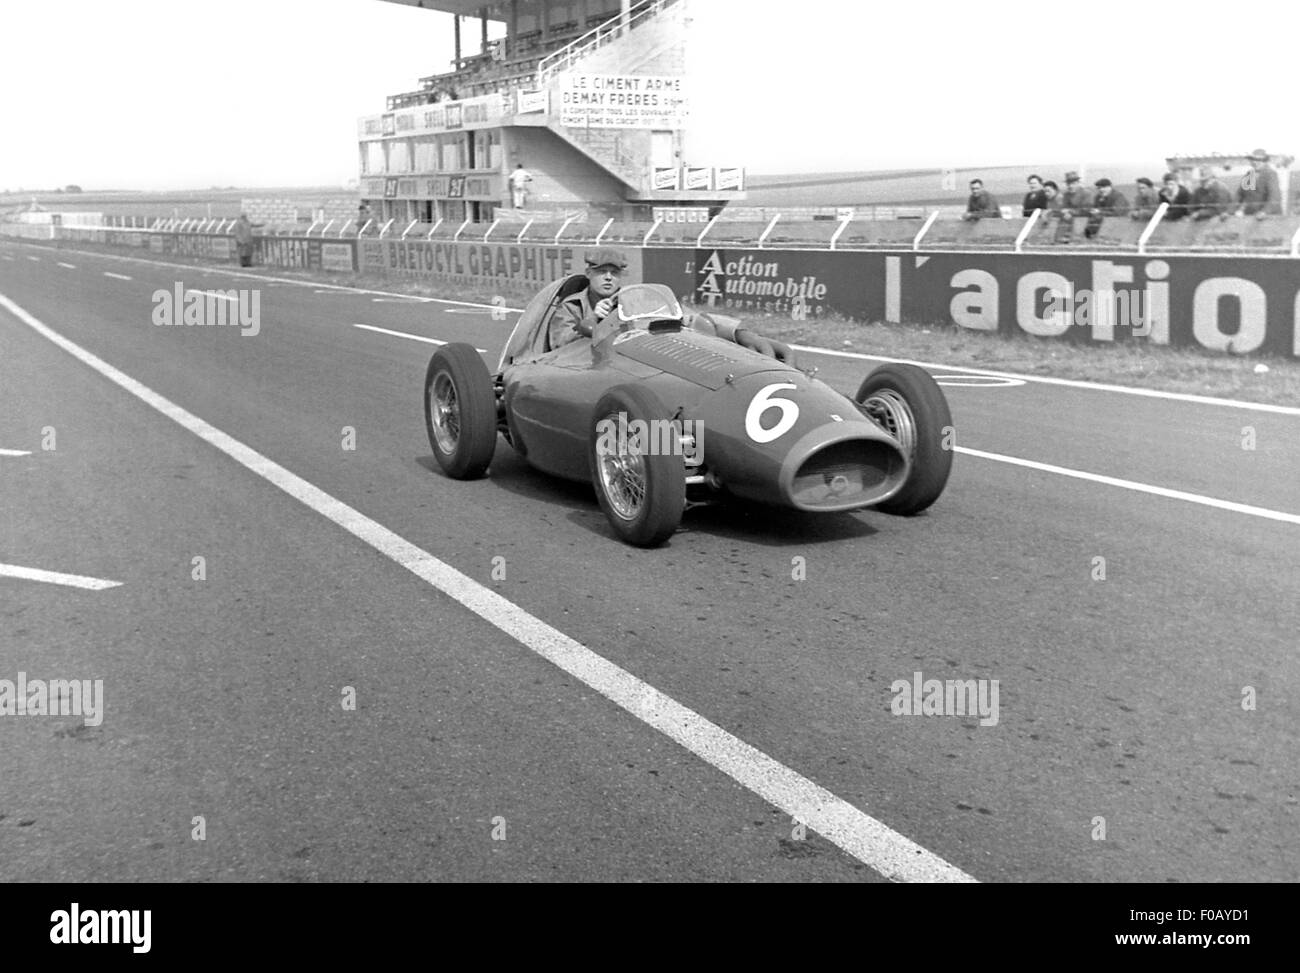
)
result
[(603, 307)]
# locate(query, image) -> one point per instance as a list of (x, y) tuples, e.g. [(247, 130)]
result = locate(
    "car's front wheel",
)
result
[(637, 468), (460, 411), (909, 404)]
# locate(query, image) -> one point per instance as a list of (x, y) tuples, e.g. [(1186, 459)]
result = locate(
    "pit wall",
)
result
[(1220, 303)]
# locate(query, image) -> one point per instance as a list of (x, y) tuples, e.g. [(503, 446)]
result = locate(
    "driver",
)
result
[(578, 316)]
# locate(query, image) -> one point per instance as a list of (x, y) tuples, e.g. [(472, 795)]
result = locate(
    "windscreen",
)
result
[(640, 305)]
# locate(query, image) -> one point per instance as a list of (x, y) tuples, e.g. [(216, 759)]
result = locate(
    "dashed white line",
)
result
[(56, 577), (856, 832), (109, 273), (216, 294), (36, 259), (1240, 508), (413, 337), (69, 266), (15, 452)]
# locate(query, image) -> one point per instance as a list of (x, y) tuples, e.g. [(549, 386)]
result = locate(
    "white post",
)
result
[(384, 229), (608, 223), (314, 224), (1151, 227), (520, 237), (408, 229), (763, 235), (1295, 244), (491, 228), (1024, 230), (645, 240), (429, 235), (564, 227), (916, 241), (456, 236), (705, 232), (844, 223)]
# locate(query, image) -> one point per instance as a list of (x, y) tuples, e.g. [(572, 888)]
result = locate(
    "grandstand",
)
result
[(589, 96)]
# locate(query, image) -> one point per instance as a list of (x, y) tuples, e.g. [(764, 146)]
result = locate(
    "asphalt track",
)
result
[(1120, 699)]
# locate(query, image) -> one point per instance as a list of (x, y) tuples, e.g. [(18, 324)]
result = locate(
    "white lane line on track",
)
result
[(216, 294), (69, 266), (413, 337), (109, 273), (399, 300), (15, 452), (1282, 410), (55, 577), (856, 832), (1231, 505), (30, 257)]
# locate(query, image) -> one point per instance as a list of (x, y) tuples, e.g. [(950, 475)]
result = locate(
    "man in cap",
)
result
[(1076, 197), (1211, 197), (1108, 202), (578, 316), (1176, 195), (1259, 194)]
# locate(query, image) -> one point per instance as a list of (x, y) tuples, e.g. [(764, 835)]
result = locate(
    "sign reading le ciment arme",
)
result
[(622, 101)]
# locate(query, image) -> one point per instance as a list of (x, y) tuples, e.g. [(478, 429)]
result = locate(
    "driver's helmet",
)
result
[(641, 306)]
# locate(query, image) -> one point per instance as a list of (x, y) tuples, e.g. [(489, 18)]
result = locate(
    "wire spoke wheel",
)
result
[(623, 478), (891, 410), (444, 409)]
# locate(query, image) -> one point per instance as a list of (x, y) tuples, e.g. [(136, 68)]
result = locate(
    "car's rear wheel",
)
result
[(641, 487), (460, 411), (909, 404)]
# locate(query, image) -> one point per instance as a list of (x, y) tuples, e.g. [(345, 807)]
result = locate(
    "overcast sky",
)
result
[(175, 94)]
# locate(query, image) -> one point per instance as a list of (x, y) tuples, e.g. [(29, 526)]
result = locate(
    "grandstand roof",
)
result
[(466, 8)]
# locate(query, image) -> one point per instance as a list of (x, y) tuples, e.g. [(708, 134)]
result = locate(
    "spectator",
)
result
[(1109, 202), (244, 240), (1145, 199), (1176, 195), (1052, 193), (1259, 194), (519, 180), (1035, 198), (1075, 197), (981, 203), (1211, 198)]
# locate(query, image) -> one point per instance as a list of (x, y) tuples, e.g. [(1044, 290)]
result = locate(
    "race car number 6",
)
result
[(765, 400)]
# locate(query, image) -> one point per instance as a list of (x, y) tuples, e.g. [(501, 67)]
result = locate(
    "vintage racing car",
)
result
[(662, 406)]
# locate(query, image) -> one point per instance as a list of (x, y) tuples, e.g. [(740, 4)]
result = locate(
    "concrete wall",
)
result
[(562, 177)]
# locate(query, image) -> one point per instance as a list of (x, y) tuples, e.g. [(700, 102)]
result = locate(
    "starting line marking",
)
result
[(859, 834), (413, 337), (55, 577)]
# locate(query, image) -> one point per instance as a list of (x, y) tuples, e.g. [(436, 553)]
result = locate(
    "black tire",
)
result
[(464, 438), (651, 520), (911, 406)]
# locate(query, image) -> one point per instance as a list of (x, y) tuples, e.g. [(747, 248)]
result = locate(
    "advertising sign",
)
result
[(622, 101)]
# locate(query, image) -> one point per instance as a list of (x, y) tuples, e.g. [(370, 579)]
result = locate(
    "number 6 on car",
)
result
[(708, 388), (765, 400)]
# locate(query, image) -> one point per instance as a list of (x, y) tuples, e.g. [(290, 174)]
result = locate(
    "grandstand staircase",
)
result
[(650, 41)]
